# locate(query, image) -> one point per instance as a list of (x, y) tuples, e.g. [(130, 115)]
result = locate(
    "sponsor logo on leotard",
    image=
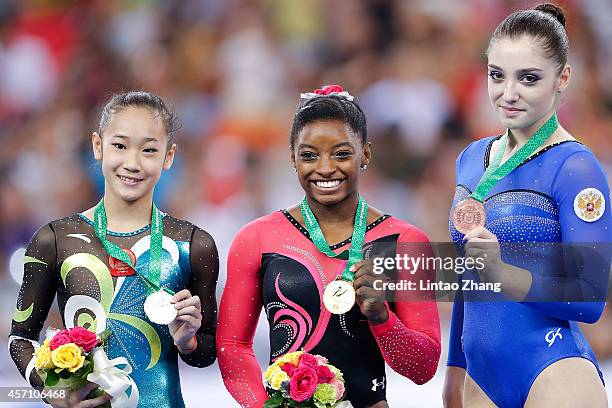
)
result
[(376, 384), (589, 204), (552, 335), (80, 236)]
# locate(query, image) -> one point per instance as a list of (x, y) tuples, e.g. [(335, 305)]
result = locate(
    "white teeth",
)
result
[(129, 179), (327, 184)]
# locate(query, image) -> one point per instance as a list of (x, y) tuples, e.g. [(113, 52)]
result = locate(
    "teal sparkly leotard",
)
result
[(66, 258)]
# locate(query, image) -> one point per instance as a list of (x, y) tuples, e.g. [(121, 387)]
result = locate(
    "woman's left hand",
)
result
[(482, 245), (371, 301), (188, 320)]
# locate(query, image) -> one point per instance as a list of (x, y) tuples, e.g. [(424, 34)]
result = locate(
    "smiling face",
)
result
[(524, 83), (328, 157), (133, 151)]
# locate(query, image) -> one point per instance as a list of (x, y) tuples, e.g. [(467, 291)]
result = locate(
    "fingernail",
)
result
[(352, 268)]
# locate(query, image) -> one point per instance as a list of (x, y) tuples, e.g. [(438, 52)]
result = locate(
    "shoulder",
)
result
[(478, 147), (407, 231), (185, 230), (573, 158), (46, 236), (262, 224)]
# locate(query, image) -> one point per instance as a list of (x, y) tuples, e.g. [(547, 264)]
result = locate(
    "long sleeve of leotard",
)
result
[(456, 357), (239, 311), (587, 240), (36, 295), (410, 339), (204, 261)]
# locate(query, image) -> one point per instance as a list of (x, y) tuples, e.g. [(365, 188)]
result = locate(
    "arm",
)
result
[(238, 315), (452, 394), (204, 261), (34, 301), (410, 338), (586, 247)]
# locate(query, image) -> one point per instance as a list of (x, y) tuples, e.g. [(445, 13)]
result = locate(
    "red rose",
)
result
[(303, 384), (308, 360), (61, 337), (83, 338), (325, 374), (288, 368), (326, 90)]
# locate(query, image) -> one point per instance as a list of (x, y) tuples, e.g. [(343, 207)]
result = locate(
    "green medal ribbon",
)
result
[(152, 280), (354, 254), (495, 172)]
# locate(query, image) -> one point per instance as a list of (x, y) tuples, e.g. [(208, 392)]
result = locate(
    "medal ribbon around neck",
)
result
[(152, 280), (357, 239), (495, 172)]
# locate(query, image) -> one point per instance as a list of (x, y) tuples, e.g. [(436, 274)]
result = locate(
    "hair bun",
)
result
[(554, 10)]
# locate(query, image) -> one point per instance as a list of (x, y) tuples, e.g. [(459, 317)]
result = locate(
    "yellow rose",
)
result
[(68, 356), (277, 379), (292, 358), (42, 357), (275, 376), (270, 371)]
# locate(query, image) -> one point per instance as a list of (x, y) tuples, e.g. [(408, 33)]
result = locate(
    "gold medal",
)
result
[(468, 215), (339, 296)]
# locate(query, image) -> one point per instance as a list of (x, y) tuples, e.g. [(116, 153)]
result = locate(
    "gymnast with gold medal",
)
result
[(305, 265)]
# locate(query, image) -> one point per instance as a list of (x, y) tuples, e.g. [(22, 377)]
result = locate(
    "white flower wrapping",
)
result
[(113, 380)]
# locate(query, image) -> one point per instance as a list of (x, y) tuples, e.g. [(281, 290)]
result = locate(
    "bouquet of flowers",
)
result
[(69, 358), (300, 379)]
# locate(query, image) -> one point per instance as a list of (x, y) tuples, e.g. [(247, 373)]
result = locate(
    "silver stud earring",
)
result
[(364, 167)]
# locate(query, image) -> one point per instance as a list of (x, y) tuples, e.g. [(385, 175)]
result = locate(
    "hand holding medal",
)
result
[(188, 320), (371, 301)]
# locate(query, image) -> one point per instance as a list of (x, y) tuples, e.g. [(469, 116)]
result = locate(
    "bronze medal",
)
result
[(468, 215)]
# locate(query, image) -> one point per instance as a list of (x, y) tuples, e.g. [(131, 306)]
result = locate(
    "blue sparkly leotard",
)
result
[(65, 257), (504, 345)]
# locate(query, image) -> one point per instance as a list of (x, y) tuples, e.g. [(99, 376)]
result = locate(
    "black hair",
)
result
[(546, 23), (150, 101), (329, 107)]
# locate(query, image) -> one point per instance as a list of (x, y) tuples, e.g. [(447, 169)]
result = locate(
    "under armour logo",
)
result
[(552, 335), (378, 384)]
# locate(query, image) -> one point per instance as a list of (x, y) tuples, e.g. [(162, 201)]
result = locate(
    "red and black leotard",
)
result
[(273, 263)]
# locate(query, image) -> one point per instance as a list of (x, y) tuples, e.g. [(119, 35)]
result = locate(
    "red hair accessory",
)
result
[(328, 90)]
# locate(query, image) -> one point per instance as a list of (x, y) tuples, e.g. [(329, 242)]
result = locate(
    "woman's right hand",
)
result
[(452, 394), (77, 398)]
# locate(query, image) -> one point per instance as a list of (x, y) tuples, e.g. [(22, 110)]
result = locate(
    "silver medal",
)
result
[(158, 308)]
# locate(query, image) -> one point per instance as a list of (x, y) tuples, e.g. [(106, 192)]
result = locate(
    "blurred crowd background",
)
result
[(233, 70)]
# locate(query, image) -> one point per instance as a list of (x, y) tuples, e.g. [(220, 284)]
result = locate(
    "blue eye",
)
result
[(496, 75)]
